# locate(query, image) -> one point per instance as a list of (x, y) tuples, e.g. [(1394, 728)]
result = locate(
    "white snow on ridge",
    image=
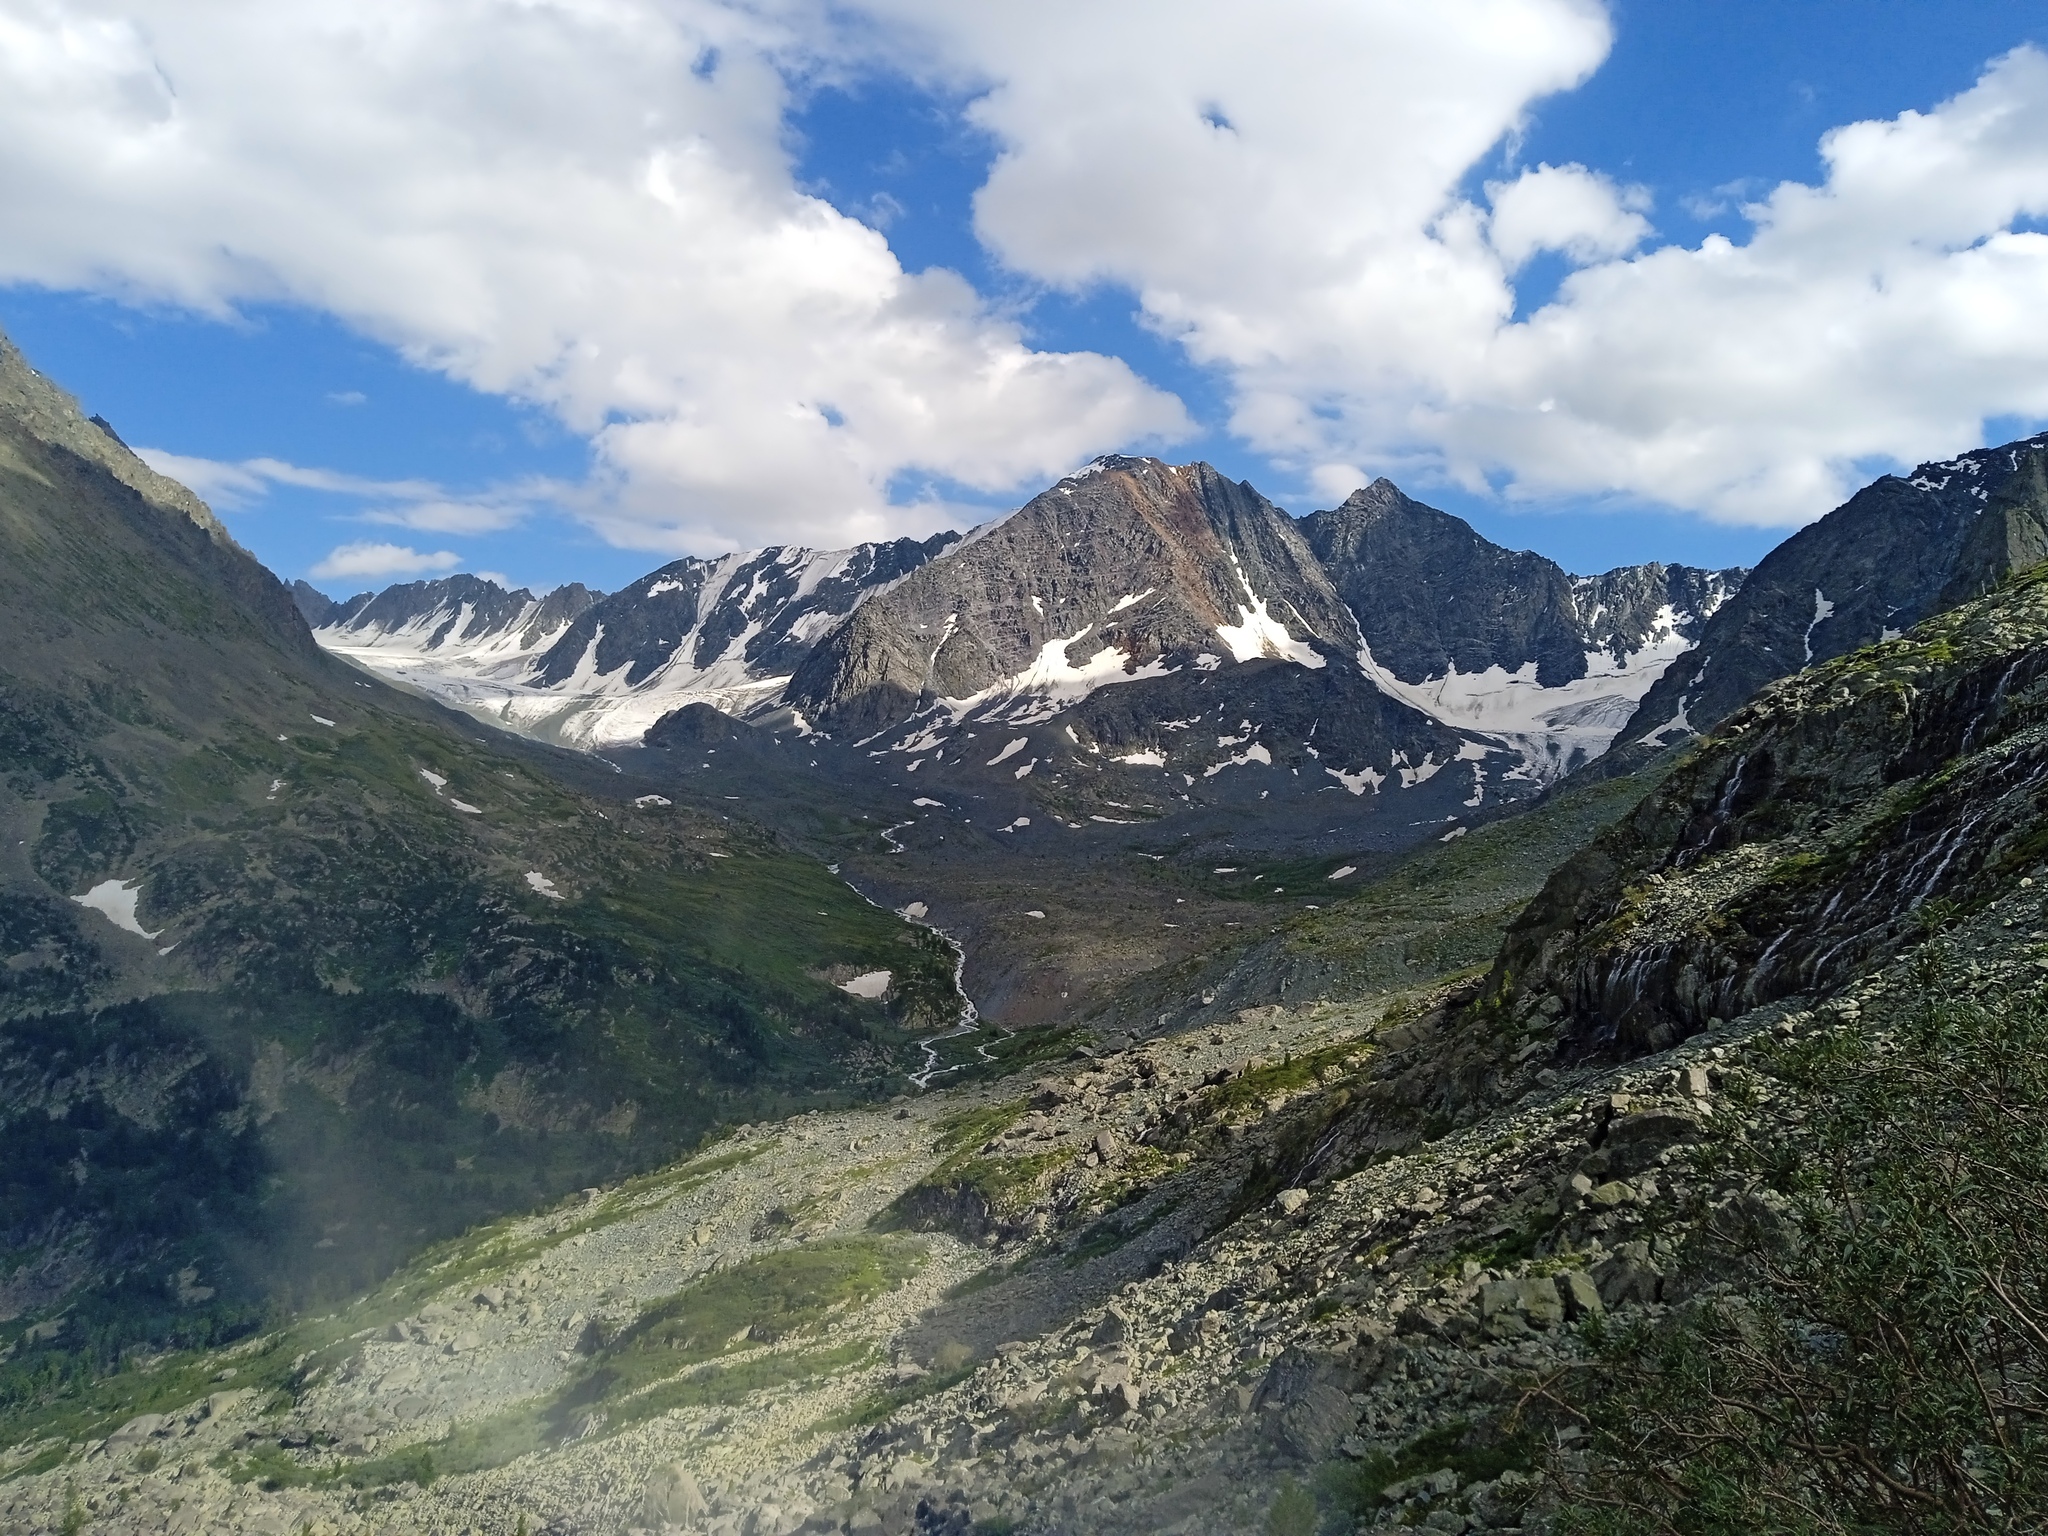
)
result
[(1257, 633), (1150, 758), (493, 677), (543, 885), (115, 901), (1823, 610)]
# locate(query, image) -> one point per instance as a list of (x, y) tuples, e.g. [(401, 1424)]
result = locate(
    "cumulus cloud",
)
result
[(367, 561), (1881, 315), (592, 208), (1282, 188), (588, 207), (1568, 209)]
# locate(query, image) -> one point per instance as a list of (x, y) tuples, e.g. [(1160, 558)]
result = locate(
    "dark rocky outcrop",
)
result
[(315, 606), (1824, 826), (1430, 594)]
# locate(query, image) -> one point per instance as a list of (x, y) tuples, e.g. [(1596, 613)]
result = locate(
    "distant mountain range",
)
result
[(1405, 640)]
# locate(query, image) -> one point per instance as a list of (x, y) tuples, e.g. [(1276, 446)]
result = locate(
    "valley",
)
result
[(1150, 1016)]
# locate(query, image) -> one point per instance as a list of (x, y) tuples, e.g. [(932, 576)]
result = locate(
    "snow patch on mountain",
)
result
[(115, 901), (1553, 728)]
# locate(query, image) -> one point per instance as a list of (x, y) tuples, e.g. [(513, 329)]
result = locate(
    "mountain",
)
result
[(1414, 1249), (299, 973), (1899, 550), (586, 670), (314, 606), (1817, 831), (1506, 642), (1172, 619)]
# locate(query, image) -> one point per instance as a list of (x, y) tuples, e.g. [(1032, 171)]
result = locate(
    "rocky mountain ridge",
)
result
[(1901, 549), (587, 670)]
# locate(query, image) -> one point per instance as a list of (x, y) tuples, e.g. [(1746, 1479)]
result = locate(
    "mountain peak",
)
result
[(52, 415)]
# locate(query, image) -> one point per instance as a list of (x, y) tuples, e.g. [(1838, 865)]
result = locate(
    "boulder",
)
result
[(1309, 1398), (138, 1429), (673, 1497), (1580, 1295)]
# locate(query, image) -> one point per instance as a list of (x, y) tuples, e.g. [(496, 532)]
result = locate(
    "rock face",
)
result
[(315, 606), (1803, 841), (1900, 549), (1501, 641), (1130, 569), (1432, 597)]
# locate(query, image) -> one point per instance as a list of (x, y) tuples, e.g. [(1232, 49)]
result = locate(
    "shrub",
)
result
[(1881, 1365)]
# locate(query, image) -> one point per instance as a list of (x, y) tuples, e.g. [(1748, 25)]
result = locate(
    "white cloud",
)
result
[(1565, 208), (380, 562), (1319, 250), (585, 205), (1884, 314), (589, 205), (417, 504)]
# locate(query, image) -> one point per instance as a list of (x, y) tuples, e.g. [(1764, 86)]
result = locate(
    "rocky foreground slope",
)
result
[(1314, 1267)]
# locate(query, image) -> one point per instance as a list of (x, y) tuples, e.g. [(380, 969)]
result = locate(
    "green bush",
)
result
[(1880, 1365)]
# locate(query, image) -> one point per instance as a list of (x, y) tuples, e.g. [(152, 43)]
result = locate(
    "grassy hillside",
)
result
[(386, 975), (1437, 910)]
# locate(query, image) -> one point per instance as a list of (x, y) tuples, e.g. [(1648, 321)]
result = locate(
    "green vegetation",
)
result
[(1293, 1512), (969, 1195), (1881, 1363), (877, 1406), (365, 1030), (1251, 1090), (1478, 1451), (712, 1343), (970, 1128)]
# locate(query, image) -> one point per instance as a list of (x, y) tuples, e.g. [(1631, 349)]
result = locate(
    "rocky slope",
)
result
[(1231, 1279), (1822, 827), (298, 972), (1901, 549)]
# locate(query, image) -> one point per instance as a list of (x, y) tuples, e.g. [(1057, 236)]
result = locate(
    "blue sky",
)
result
[(472, 458)]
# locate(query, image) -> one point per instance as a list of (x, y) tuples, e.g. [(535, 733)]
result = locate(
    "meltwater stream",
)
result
[(969, 1021)]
